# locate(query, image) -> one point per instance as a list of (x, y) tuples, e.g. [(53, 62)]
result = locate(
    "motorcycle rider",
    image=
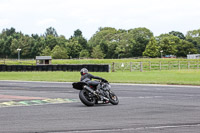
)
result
[(87, 77)]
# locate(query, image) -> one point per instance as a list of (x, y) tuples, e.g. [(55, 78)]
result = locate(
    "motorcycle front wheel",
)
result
[(86, 98), (113, 98)]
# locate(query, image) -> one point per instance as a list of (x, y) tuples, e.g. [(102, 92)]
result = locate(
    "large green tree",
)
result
[(61, 41), (73, 48), (46, 51), (141, 37), (77, 33), (104, 37), (178, 34), (97, 53), (39, 45), (13, 48), (152, 48), (26, 45), (59, 53), (84, 54), (194, 37), (81, 40), (110, 41), (6, 38), (184, 48), (51, 31), (51, 41), (168, 43)]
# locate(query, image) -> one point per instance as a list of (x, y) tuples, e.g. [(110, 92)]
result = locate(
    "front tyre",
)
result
[(86, 98), (113, 98)]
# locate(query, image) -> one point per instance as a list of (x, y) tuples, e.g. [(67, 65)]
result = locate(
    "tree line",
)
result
[(106, 43)]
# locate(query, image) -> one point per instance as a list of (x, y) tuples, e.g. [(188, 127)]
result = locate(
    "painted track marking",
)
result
[(36, 102)]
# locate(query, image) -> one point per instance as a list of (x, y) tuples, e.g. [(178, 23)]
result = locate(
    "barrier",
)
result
[(90, 67)]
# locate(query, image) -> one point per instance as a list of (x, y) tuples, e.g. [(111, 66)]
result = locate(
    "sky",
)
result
[(66, 16)]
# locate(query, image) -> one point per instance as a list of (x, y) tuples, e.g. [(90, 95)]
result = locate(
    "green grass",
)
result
[(183, 77), (88, 61)]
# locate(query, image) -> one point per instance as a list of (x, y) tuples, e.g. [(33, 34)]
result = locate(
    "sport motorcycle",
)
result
[(91, 94)]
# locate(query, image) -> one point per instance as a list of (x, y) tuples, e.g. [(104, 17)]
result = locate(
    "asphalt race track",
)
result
[(45, 107)]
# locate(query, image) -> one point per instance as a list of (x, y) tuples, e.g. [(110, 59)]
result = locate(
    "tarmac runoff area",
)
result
[(50, 107)]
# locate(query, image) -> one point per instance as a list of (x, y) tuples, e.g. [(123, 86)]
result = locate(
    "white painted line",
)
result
[(128, 84), (136, 128)]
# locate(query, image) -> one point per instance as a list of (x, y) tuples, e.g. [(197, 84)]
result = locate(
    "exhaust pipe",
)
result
[(89, 89), (93, 92)]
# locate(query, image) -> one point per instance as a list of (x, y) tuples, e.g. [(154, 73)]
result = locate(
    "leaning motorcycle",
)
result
[(91, 94)]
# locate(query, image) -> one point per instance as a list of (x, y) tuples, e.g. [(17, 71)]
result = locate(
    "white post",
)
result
[(18, 53), (141, 67), (161, 53)]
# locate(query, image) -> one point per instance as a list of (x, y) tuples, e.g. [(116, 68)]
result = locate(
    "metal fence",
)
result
[(159, 65)]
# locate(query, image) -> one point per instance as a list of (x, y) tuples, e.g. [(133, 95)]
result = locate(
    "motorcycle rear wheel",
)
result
[(86, 99)]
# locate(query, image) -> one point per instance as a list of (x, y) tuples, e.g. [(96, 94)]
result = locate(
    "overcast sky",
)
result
[(66, 16)]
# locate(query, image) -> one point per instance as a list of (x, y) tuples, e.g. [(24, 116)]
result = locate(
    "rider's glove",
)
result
[(104, 80)]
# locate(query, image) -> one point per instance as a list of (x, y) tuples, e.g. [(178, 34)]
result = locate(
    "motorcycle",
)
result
[(90, 94)]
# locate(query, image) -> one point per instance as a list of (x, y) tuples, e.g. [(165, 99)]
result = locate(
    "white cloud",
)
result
[(44, 22), (68, 15), (4, 22)]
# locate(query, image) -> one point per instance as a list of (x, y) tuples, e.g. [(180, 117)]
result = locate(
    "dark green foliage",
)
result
[(84, 54), (178, 34), (152, 48), (185, 48), (46, 51), (107, 42), (141, 37), (77, 33), (168, 43), (59, 53), (51, 31), (194, 37), (97, 53), (73, 48)]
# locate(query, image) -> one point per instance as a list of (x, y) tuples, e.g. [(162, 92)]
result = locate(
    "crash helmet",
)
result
[(83, 71)]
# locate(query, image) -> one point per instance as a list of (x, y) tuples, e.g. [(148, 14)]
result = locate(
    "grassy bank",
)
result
[(183, 77), (88, 61)]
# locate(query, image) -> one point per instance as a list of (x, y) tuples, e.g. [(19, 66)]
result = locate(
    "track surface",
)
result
[(44, 107)]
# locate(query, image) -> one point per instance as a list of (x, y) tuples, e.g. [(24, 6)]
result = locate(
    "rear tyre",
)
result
[(113, 98), (86, 98)]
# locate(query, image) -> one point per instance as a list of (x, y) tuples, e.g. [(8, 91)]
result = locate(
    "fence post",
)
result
[(113, 67), (150, 65), (131, 64), (141, 67), (188, 64), (160, 66), (179, 65)]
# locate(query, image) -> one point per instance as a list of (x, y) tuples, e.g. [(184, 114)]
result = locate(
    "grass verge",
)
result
[(92, 61), (183, 77)]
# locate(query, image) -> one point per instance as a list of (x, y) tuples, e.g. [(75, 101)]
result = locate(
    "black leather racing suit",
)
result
[(88, 78)]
